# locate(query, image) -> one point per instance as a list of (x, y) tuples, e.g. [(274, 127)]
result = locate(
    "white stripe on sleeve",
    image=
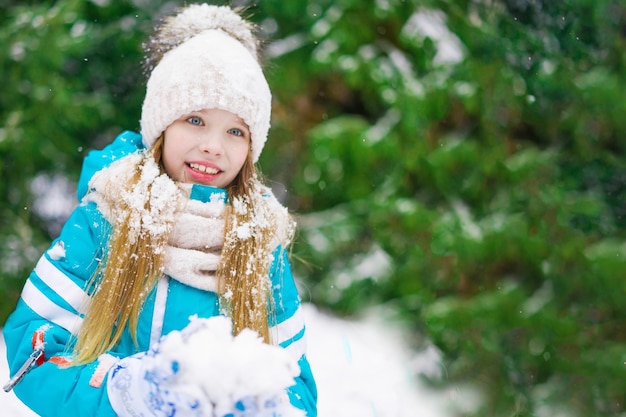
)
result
[(287, 330), (42, 305), (62, 284)]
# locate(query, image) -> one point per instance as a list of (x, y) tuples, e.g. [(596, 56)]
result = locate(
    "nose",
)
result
[(212, 143)]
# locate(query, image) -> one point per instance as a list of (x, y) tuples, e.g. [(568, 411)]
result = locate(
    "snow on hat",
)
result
[(212, 64)]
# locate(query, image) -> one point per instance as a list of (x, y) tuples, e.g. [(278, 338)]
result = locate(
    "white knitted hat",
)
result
[(214, 66)]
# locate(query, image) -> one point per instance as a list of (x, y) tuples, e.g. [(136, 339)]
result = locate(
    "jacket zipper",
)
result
[(24, 369)]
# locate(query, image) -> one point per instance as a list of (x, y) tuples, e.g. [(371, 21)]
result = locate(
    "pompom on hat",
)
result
[(209, 61)]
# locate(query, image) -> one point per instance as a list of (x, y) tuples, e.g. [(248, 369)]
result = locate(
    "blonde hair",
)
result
[(131, 269), (127, 272)]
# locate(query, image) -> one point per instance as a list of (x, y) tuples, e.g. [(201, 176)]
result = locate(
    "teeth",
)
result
[(204, 169)]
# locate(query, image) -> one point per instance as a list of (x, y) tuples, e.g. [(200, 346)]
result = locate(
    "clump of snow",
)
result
[(149, 206), (57, 251), (157, 189), (264, 214), (243, 231), (228, 368)]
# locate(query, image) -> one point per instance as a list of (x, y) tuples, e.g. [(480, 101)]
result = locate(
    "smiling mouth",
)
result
[(204, 169)]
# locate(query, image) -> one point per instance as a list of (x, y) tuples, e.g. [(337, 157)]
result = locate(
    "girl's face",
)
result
[(206, 147)]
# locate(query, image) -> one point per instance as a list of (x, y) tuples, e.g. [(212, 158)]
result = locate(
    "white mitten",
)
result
[(204, 371), (136, 387)]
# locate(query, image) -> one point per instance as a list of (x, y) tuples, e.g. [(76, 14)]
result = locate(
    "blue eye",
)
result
[(195, 120), (236, 132)]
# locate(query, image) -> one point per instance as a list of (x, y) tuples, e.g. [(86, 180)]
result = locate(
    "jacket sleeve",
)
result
[(49, 313), (289, 331)]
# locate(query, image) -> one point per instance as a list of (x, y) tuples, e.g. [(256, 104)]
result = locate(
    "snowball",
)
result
[(230, 369)]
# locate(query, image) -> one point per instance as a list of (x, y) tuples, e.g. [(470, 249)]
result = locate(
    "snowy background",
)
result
[(363, 368)]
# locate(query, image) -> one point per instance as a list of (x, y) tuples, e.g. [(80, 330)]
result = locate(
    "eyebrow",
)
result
[(243, 125), (243, 122)]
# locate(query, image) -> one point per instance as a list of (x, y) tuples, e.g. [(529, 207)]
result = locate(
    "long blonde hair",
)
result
[(132, 268)]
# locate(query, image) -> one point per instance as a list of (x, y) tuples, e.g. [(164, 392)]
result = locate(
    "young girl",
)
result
[(174, 228)]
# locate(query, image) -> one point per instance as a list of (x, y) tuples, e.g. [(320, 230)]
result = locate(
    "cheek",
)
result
[(243, 155), (167, 165), (169, 157)]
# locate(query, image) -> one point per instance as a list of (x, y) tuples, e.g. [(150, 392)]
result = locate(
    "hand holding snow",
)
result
[(202, 371), (232, 373)]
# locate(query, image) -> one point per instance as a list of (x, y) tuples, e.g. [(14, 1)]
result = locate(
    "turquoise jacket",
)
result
[(50, 310)]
